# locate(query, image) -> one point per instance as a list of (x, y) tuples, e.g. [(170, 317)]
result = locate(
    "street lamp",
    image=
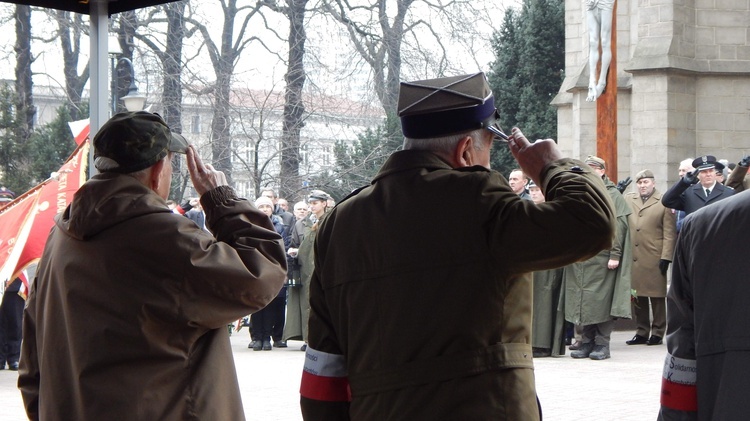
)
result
[(134, 101)]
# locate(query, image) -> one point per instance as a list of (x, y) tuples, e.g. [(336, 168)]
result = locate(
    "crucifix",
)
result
[(602, 28)]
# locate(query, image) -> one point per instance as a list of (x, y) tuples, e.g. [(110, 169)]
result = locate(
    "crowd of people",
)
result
[(630, 279), (410, 315)]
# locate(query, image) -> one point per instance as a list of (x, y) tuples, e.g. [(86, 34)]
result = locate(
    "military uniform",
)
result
[(689, 198), (652, 231), (434, 321)]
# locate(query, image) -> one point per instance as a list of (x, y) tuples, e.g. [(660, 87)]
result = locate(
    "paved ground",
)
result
[(625, 387)]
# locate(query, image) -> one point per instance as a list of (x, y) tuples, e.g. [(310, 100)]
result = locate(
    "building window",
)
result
[(195, 126)]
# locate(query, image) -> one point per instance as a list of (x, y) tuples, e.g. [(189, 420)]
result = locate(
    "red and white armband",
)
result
[(678, 390), (324, 377)]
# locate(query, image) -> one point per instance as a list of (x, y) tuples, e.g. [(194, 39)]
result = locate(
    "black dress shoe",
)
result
[(638, 340), (279, 344), (654, 340), (13, 366), (257, 346), (267, 346)]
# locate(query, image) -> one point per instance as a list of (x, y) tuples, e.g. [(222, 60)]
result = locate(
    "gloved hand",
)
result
[(186, 206), (663, 266), (691, 177), (745, 162), (623, 184)]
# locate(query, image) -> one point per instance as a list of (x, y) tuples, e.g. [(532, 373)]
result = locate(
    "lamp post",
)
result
[(134, 101)]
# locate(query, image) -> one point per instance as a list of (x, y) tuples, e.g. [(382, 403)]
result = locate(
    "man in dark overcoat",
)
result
[(705, 374)]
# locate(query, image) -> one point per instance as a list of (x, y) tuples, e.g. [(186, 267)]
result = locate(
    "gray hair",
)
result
[(446, 144)]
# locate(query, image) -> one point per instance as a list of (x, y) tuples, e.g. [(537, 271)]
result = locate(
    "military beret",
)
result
[(644, 174), (132, 141), (707, 162), (591, 159), (449, 105)]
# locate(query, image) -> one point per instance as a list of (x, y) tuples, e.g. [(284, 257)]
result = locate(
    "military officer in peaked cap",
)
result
[(424, 316), (697, 188)]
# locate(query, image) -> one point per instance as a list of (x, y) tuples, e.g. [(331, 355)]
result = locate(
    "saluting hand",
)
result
[(532, 157), (204, 176)]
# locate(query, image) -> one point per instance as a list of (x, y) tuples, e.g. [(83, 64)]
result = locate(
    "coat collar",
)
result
[(651, 201), (407, 160)]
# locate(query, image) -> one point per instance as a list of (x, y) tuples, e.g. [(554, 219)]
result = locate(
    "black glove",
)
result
[(186, 206), (663, 266), (690, 178), (623, 184), (745, 162)]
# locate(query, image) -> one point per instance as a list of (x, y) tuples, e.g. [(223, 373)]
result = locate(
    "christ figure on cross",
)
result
[(599, 20)]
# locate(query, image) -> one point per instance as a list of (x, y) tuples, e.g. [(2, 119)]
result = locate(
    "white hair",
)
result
[(446, 144)]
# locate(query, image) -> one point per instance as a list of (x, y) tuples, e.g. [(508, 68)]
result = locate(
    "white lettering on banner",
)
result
[(324, 364), (680, 370)]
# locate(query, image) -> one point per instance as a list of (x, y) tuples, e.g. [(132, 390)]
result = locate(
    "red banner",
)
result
[(16, 219), (25, 223), (53, 199)]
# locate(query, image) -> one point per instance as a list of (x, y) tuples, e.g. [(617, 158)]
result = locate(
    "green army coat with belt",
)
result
[(427, 312), (594, 293), (652, 232)]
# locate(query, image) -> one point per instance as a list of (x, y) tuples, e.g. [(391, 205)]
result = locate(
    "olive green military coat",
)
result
[(421, 296)]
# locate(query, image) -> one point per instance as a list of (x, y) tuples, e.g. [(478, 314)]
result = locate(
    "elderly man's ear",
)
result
[(464, 155)]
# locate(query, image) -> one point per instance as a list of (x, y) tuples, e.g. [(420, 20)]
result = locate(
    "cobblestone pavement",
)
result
[(624, 387)]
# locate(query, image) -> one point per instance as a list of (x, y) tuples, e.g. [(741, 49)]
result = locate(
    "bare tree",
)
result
[(70, 28), (234, 39), (420, 33), (25, 109)]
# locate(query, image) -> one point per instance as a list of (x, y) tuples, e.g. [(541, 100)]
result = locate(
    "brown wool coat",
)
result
[(127, 318)]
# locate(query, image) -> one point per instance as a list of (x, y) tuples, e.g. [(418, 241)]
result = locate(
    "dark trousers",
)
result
[(278, 315), (11, 315), (645, 326), (269, 322)]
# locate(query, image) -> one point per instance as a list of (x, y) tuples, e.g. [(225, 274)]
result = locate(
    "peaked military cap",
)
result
[(591, 159), (318, 195), (707, 162), (449, 105)]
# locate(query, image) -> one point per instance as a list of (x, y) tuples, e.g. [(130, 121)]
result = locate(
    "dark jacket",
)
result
[(437, 325), (690, 198), (127, 318), (708, 334)]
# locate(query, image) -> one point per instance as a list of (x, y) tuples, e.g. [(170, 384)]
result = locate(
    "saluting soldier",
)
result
[(426, 316)]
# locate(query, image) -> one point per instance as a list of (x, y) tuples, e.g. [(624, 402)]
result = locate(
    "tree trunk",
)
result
[(172, 95), (69, 31), (25, 109), (294, 108)]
